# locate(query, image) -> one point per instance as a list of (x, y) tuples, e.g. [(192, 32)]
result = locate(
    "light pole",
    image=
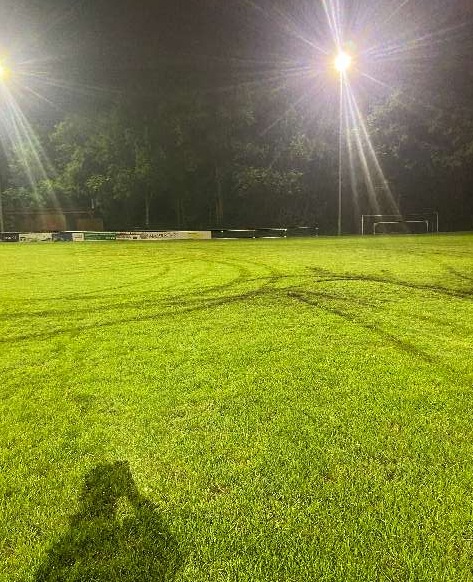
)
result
[(343, 62), (4, 75)]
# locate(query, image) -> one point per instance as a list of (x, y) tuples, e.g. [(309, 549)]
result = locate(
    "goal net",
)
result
[(421, 223)]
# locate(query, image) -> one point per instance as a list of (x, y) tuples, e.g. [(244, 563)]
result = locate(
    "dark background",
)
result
[(114, 44), (86, 55)]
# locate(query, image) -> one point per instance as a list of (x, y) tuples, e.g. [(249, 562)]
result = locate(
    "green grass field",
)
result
[(289, 410)]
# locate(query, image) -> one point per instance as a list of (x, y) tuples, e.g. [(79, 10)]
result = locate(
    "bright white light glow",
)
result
[(343, 62), (5, 72)]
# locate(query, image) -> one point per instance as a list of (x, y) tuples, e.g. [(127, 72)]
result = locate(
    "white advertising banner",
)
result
[(125, 235), (165, 235), (198, 234), (36, 237), (129, 236)]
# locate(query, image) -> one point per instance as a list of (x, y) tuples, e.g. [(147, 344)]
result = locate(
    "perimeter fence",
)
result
[(157, 235)]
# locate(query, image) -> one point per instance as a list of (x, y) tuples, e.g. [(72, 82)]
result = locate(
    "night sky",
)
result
[(92, 48)]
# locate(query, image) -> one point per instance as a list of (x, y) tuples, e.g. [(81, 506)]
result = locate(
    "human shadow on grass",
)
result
[(116, 535)]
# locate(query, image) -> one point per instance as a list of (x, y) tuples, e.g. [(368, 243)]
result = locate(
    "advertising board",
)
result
[(62, 236), (164, 235), (130, 235), (198, 235), (9, 237), (145, 235), (89, 236), (35, 237)]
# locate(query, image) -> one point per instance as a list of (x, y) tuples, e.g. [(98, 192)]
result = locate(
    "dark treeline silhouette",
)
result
[(188, 141)]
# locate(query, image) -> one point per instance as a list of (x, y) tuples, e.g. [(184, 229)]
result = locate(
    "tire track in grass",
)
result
[(90, 295), (217, 302), (344, 307), (212, 298), (243, 277), (192, 302), (329, 276), (397, 342), (98, 292)]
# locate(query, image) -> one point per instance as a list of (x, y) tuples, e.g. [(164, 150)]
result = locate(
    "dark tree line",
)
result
[(246, 156)]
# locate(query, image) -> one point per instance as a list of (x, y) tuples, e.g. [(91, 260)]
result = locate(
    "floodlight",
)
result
[(4, 72), (343, 62)]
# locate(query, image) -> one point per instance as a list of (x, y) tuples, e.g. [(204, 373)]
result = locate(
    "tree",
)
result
[(428, 152), (108, 158)]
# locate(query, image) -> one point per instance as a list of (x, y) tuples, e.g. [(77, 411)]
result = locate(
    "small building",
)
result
[(51, 219)]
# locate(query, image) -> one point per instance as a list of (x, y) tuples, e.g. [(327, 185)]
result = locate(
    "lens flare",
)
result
[(4, 72), (343, 62)]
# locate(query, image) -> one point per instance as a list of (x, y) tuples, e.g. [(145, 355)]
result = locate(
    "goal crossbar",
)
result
[(430, 219)]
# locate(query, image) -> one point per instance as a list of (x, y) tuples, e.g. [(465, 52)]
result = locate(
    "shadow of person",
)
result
[(116, 535)]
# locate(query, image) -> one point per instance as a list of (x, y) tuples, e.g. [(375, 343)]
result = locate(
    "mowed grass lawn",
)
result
[(286, 410)]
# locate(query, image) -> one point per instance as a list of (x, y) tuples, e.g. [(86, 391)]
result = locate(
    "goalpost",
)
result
[(422, 223)]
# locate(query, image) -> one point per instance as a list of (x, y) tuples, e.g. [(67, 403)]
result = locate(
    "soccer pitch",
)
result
[(236, 411)]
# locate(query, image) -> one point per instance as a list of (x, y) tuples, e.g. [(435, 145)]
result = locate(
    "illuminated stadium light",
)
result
[(4, 72), (343, 62)]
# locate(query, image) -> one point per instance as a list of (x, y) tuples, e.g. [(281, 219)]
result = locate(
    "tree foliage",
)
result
[(426, 148), (240, 157)]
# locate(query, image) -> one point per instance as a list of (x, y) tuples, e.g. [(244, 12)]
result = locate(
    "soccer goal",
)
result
[(422, 223)]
